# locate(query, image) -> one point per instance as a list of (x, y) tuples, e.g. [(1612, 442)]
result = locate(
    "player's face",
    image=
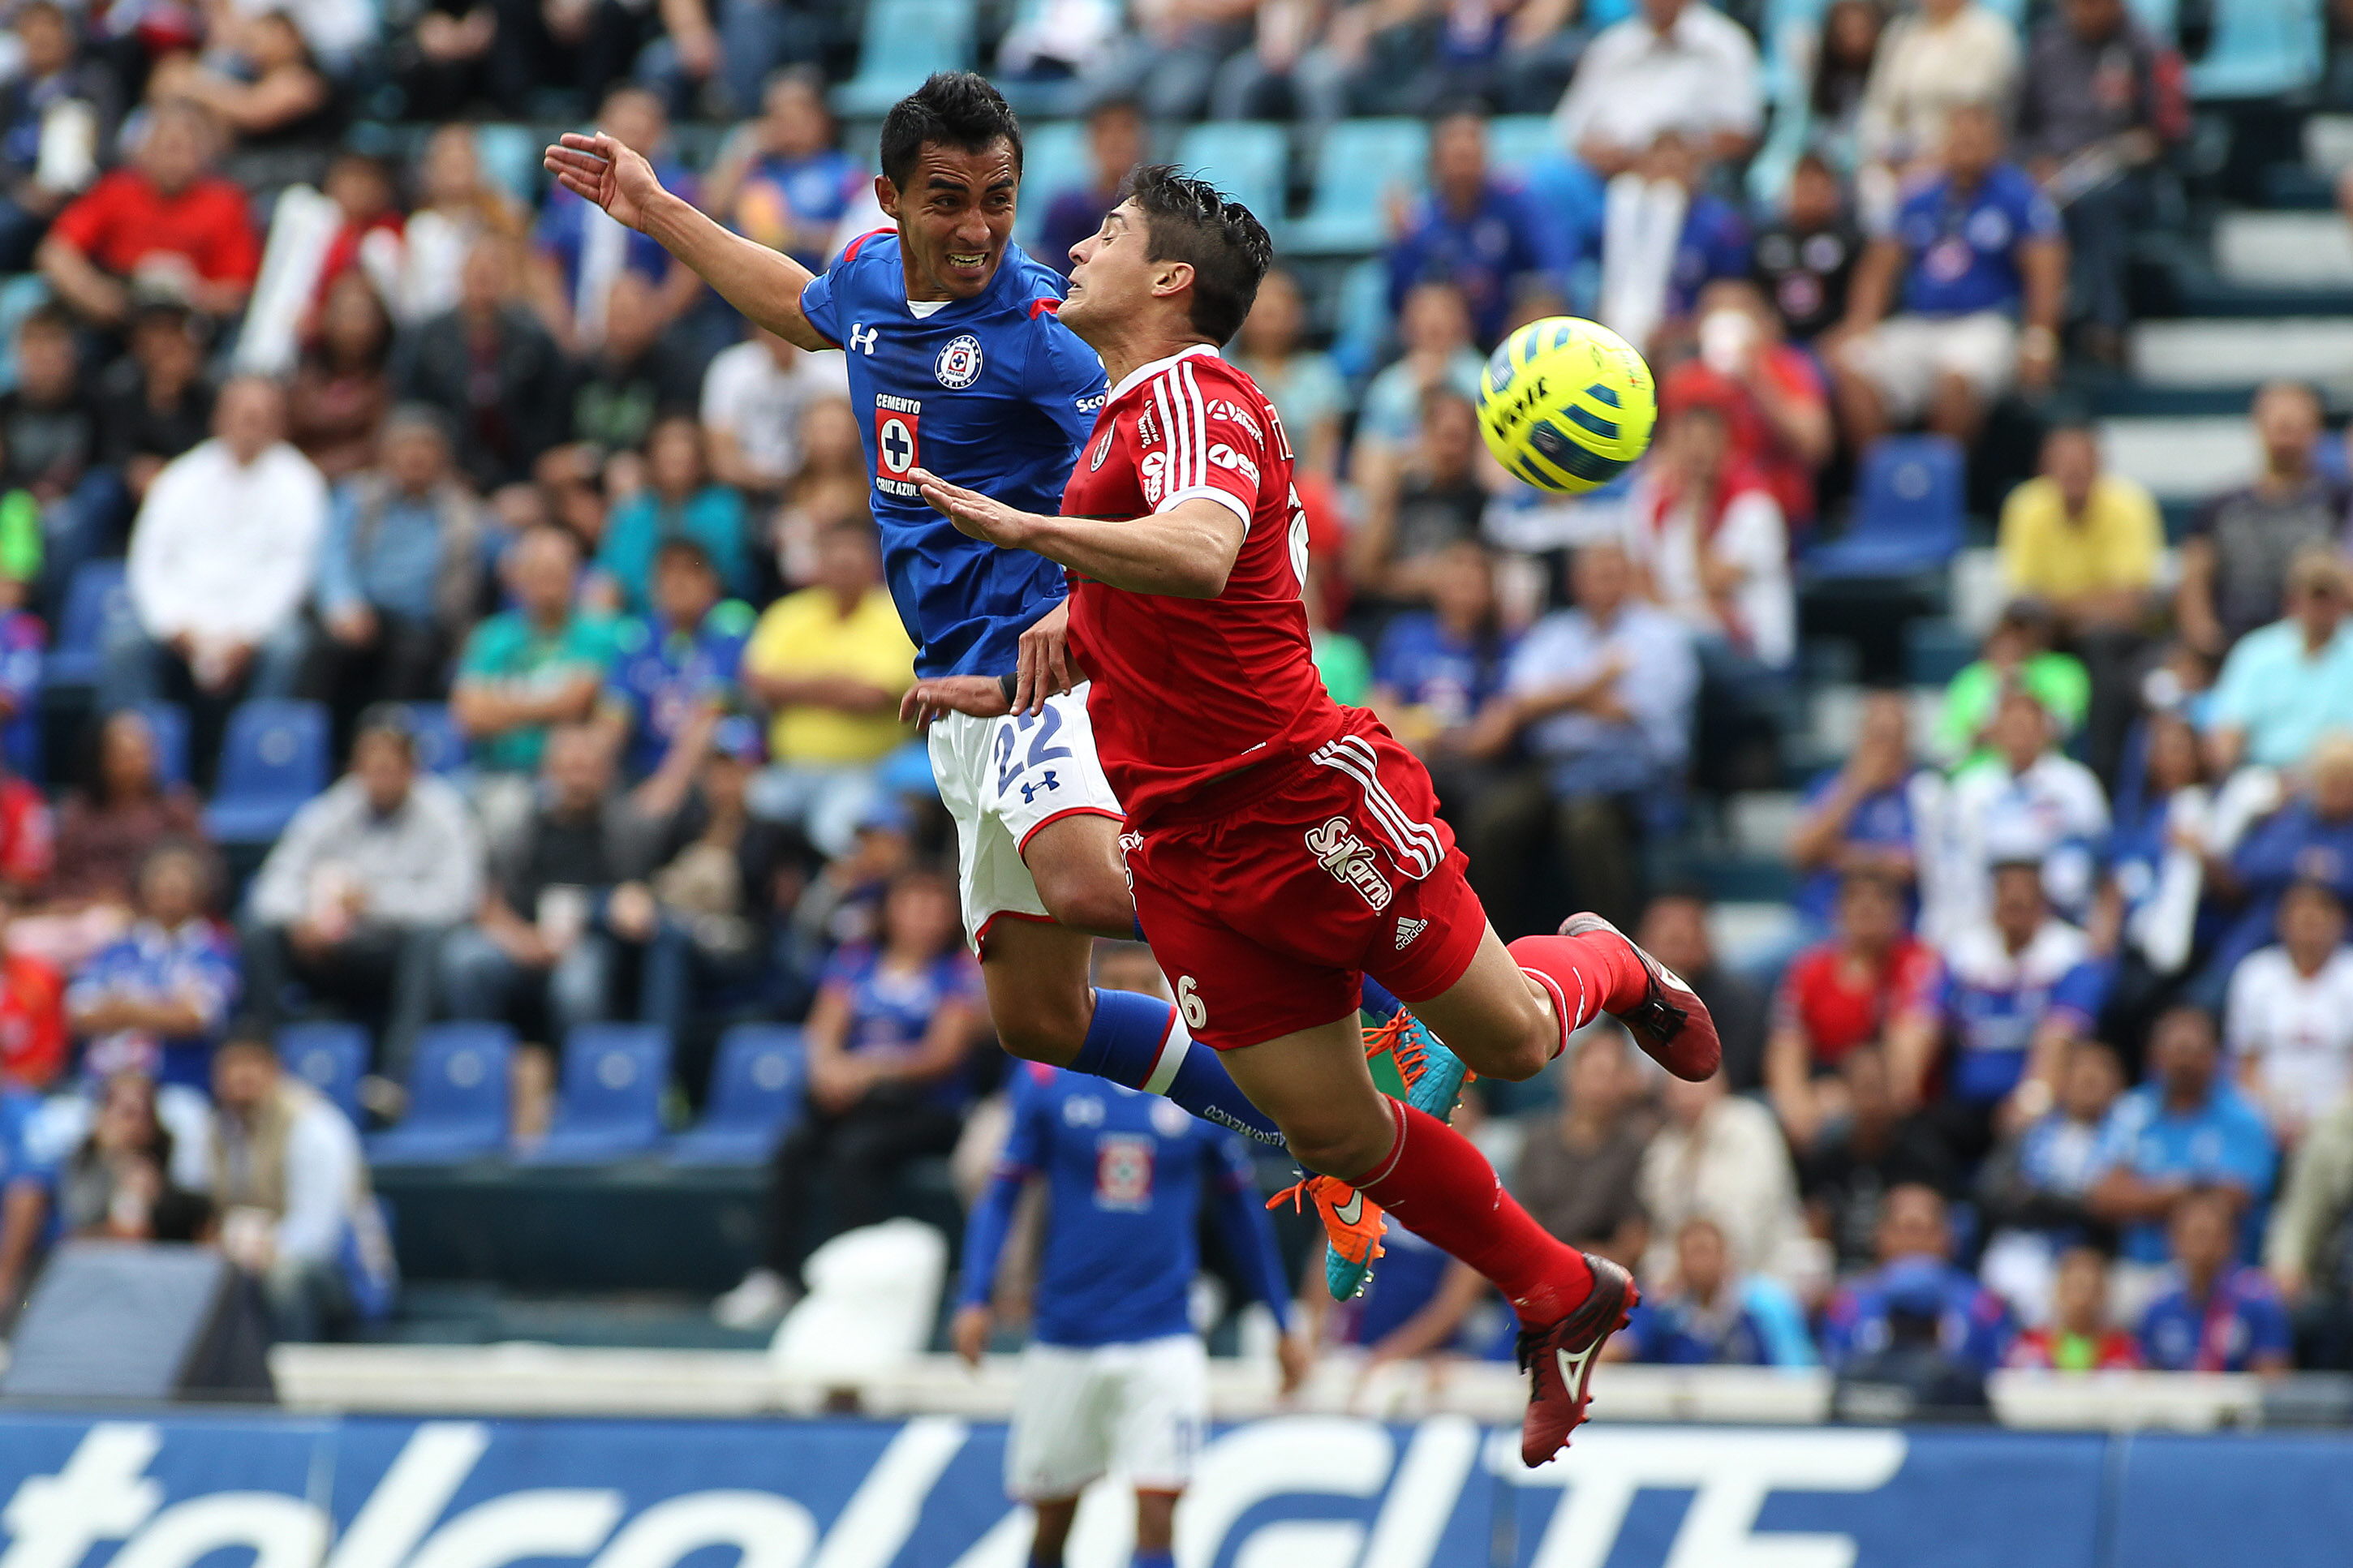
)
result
[(1110, 270), (956, 217)]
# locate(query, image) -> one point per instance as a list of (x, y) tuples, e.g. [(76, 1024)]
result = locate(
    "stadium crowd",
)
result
[(2052, 1063)]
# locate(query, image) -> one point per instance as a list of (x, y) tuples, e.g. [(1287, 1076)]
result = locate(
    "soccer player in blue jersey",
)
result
[(1114, 1377), (958, 366)]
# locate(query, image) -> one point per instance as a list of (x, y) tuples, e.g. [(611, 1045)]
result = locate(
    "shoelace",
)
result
[(1403, 1040)]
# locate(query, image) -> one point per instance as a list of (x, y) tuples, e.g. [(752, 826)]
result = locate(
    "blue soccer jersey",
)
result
[(991, 393), (1126, 1174)]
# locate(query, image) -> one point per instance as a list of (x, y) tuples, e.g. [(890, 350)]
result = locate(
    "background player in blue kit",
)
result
[(958, 365), (1114, 1377)]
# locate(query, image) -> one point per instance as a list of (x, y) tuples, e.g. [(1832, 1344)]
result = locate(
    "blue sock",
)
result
[(1139, 1041), (1154, 1560), (1379, 1000)]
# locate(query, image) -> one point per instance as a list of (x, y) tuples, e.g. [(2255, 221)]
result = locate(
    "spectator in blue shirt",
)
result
[(673, 675), (2285, 685), (1916, 1288), (2185, 1130), (157, 1000), (1472, 229), (678, 501), (1960, 298), (780, 179), (1714, 1317), (1117, 141), (1436, 669), (2310, 839), (1858, 816), (28, 1182), (578, 260), (2220, 1315)]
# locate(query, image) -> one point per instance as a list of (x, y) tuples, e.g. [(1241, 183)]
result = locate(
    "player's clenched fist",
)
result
[(973, 513)]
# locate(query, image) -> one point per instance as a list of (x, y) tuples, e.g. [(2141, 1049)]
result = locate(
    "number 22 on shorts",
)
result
[(1012, 761)]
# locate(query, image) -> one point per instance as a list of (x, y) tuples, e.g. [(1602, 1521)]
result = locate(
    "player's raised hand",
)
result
[(968, 1332), (605, 171), (1046, 667), (981, 696), (973, 513)]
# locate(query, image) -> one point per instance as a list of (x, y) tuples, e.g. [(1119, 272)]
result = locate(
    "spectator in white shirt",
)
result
[(222, 558), (1712, 542), (1677, 66), (1721, 1156), (289, 1184), (2289, 1026), (753, 395), (2027, 801), (1946, 52)]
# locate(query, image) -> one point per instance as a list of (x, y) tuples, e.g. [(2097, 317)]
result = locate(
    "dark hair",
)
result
[(1191, 221), (388, 719), (955, 108), (49, 316), (678, 550)]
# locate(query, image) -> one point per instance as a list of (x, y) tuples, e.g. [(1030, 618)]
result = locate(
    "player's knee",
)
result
[(1039, 1031), (1347, 1150), (1105, 912), (1531, 1041)]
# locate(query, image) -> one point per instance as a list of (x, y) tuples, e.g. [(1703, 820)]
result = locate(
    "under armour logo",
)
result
[(862, 337), (1408, 929), (1043, 781)]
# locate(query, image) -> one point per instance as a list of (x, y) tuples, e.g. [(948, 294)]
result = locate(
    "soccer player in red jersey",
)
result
[(1282, 846)]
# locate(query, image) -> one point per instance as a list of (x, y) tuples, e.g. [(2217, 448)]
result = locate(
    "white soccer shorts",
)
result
[(1004, 779), (1138, 1409)]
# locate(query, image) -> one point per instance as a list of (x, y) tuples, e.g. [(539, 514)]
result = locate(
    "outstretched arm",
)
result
[(1185, 551), (757, 280)]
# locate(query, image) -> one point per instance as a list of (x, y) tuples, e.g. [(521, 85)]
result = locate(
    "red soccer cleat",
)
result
[(1558, 1359), (1671, 1023)]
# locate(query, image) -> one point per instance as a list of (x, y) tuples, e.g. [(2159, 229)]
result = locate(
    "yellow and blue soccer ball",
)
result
[(1567, 405)]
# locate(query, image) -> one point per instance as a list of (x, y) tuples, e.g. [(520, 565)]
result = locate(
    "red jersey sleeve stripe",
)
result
[(850, 252), (1201, 424)]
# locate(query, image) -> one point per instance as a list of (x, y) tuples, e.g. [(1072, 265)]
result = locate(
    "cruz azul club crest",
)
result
[(958, 365)]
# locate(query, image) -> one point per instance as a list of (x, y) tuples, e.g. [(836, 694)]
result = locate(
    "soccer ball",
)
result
[(1567, 405)]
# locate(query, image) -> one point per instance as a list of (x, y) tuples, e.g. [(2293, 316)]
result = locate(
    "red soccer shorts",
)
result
[(1271, 895)]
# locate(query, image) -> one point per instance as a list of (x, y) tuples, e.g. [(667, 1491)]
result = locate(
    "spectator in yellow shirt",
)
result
[(829, 663), (2088, 544)]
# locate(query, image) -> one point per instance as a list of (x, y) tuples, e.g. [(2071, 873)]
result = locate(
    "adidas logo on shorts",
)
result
[(1408, 929)]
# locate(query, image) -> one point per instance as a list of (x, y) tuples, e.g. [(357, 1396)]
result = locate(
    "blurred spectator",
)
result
[(2154, 896), (755, 396), (370, 240), (1675, 931), (631, 377), (780, 179), (2028, 801), (1865, 1151), (490, 366), (537, 665), (1472, 229), (2285, 685), (25, 1179), (1838, 74), (530, 956), (1580, 1170), (2289, 1028), (1340, 657), (27, 842), (1714, 1315), (1415, 510), (339, 32), (1676, 66), (222, 556), (832, 485), (1719, 1155), (1915, 1289), (888, 1040), (2101, 100), (830, 664), (1946, 55), (32, 1009), (157, 1001), (400, 576), (1805, 259), (1306, 387), (358, 891), (456, 206), (442, 64), (155, 403), (48, 447), (120, 811), (1665, 236), (1117, 141), (673, 675), (583, 252), (1770, 395), (118, 1183), (58, 113), (1601, 694), (1959, 298), (1714, 545), (1434, 331), (290, 1187), (343, 385), (1435, 670), (2234, 563), (2308, 1247), (2220, 1315), (2184, 1130), (2308, 838), (1859, 816), (1840, 996), (1174, 51), (680, 501), (2033, 1192), (2017, 655), (2080, 1337), (2017, 987), (258, 78), (163, 224)]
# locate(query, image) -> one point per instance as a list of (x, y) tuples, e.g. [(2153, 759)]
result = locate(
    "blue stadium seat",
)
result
[(168, 723), (96, 598), (756, 1097), (1250, 160), (330, 1056), (1359, 163), (2261, 49), (457, 1098), (273, 759), (439, 748), (1516, 140), (510, 156), (1054, 160), (609, 1104), (1907, 511), (903, 42)]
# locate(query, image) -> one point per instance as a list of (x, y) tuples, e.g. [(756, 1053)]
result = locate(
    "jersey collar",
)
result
[(1144, 372)]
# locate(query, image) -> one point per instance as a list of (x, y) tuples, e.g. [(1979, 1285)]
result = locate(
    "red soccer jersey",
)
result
[(1838, 1005), (1188, 690)]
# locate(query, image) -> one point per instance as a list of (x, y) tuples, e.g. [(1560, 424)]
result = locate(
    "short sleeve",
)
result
[(479, 659), (817, 304), (85, 218), (1216, 448), (1067, 379)]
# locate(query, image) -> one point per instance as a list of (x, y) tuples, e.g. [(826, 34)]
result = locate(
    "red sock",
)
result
[(1436, 1183), (1595, 973)]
